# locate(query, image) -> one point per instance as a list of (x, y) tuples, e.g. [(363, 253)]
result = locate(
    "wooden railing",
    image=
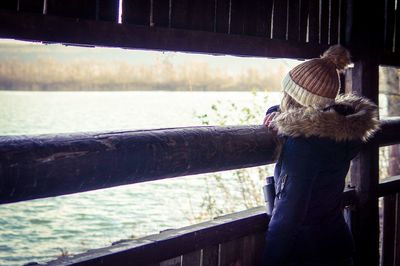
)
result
[(234, 239), (41, 166), (50, 165)]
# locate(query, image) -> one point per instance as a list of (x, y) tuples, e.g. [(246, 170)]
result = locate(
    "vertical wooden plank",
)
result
[(192, 259), (334, 22), (303, 34), (367, 33), (72, 8), (342, 82), (279, 19), (389, 229), (238, 10), (31, 6), (193, 14), (161, 13), (172, 262), (179, 14), (345, 22), (324, 20), (253, 247), (294, 20), (8, 4), (365, 172), (397, 29), (268, 9), (210, 256), (230, 253), (136, 12), (365, 38), (222, 20), (389, 24), (108, 10), (391, 211), (256, 18), (313, 21), (202, 15), (397, 228), (244, 251), (251, 17)]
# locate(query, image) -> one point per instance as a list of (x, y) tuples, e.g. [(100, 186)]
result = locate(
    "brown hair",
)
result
[(288, 103)]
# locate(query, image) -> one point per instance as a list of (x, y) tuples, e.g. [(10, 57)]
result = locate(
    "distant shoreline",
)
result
[(155, 89)]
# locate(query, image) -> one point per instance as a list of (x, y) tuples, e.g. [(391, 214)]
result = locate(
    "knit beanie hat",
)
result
[(316, 81)]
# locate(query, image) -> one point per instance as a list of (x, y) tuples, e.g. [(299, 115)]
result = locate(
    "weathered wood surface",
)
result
[(246, 251), (390, 59), (192, 258), (389, 24), (324, 21), (9, 4), (389, 186), (160, 16), (136, 12), (313, 21), (389, 230), (86, 9), (334, 22), (365, 41), (249, 225), (31, 6), (100, 33), (365, 169), (107, 10), (279, 26), (171, 262), (303, 34), (193, 14), (294, 20), (43, 166), (389, 133), (210, 255)]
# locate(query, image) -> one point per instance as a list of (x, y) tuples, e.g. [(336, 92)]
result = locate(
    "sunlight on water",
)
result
[(39, 230)]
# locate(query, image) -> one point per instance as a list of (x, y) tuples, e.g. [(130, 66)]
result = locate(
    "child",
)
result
[(321, 133)]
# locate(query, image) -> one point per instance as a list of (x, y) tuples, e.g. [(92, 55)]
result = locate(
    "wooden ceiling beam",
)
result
[(72, 31)]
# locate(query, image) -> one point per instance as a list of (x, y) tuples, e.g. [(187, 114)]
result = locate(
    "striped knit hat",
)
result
[(316, 81)]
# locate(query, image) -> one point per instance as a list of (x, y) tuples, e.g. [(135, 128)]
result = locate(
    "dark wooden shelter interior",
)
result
[(34, 167)]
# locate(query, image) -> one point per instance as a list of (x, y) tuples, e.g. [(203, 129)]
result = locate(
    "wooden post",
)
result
[(365, 39), (391, 207), (365, 174)]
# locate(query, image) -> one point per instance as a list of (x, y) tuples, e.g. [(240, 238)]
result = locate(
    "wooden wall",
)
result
[(291, 28)]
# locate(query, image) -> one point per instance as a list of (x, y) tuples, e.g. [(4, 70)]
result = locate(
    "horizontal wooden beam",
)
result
[(172, 243), (389, 186), (389, 133), (46, 28), (390, 59), (42, 166)]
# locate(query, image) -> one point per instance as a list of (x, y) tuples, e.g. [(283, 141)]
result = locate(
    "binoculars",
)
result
[(269, 194)]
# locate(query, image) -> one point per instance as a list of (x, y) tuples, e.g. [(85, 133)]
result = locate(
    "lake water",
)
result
[(40, 230)]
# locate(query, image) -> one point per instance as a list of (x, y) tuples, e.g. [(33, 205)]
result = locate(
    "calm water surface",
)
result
[(40, 230)]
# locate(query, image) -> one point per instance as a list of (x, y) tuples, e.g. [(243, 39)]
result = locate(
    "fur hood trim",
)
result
[(360, 123)]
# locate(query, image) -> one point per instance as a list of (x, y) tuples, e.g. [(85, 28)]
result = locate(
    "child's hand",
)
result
[(269, 119)]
